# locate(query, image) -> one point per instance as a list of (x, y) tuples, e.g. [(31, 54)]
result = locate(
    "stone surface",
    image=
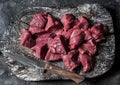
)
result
[(110, 78)]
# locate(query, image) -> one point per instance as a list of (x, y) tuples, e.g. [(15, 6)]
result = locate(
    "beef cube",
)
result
[(36, 30), (70, 60), (39, 20), (87, 35), (68, 33), (88, 48), (43, 38), (25, 36), (58, 32), (68, 21), (76, 38), (98, 32), (52, 56), (52, 24), (86, 62), (81, 23), (40, 50), (56, 45)]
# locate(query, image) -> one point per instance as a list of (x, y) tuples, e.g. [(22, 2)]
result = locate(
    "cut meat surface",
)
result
[(43, 38), (86, 62), (69, 39), (36, 30), (76, 38), (70, 60), (40, 50), (81, 23), (56, 45), (98, 32), (52, 56), (39, 20), (25, 37), (68, 21), (88, 48)]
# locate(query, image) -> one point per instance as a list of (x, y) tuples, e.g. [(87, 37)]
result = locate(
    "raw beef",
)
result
[(81, 23), (98, 32), (40, 50), (88, 48), (25, 36), (52, 56), (67, 21), (56, 45), (69, 39), (76, 38), (86, 62), (70, 60)]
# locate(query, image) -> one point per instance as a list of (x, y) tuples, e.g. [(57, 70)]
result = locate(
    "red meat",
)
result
[(88, 48), (52, 56), (70, 60), (39, 20), (67, 21), (98, 32), (56, 45), (81, 23), (76, 38), (86, 62), (40, 50), (25, 36)]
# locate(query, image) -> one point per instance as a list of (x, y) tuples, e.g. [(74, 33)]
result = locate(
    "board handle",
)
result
[(67, 74)]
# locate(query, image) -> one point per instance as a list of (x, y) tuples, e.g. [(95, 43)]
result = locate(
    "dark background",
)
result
[(112, 77)]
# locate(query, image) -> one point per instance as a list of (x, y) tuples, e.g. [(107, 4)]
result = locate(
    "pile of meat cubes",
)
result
[(69, 39)]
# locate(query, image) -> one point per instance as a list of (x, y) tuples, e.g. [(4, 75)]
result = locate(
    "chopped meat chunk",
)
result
[(52, 24), (68, 33), (76, 38), (87, 35), (56, 45), (86, 62), (70, 60), (88, 48), (52, 56), (68, 21), (81, 23), (43, 38), (69, 39), (40, 50), (39, 20), (25, 37), (98, 32), (36, 30)]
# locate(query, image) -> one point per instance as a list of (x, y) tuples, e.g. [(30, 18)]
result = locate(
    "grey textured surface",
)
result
[(96, 13), (110, 78)]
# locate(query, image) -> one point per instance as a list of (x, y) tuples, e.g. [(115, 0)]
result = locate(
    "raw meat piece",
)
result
[(25, 37), (36, 30), (76, 38), (87, 35), (40, 50), (88, 48), (56, 45), (86, 62), (68, 21), (52, 24), (81, 23), (58, 32), (52, 56), (39, 20), (73, 41), (43, 38), (68, 33), (98, 32), (70, 60)]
